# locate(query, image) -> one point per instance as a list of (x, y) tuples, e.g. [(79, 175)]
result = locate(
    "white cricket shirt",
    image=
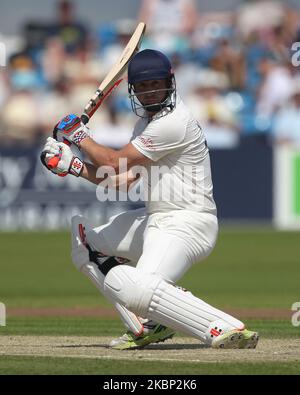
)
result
[(179, 178)]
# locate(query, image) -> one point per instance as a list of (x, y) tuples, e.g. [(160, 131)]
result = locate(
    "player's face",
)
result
[(151, 92)]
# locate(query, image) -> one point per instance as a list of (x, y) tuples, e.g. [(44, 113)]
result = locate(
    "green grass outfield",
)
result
[(56, 366), (249, 269)]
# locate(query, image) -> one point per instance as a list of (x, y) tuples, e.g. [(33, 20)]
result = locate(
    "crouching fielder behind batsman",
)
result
[(136, 259)]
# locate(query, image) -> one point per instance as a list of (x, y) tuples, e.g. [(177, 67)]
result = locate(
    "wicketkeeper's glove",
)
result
[(68, 163), (71, 129)]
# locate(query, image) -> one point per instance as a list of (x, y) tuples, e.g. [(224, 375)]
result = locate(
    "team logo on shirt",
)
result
[(146, 141)]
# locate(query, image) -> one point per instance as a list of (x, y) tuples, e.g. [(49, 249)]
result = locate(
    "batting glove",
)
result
[(68, 162), (71, 130)]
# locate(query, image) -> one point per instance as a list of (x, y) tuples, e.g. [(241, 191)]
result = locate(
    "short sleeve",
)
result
[(160, 138)]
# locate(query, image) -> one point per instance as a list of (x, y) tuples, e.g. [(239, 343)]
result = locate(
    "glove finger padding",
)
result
[(52, 150), (53, 145), (68, 162)]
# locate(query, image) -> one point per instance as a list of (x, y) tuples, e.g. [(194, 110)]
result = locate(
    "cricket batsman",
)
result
[(137, 258)]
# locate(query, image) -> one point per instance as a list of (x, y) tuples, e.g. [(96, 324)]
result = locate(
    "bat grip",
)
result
[(53, 162)]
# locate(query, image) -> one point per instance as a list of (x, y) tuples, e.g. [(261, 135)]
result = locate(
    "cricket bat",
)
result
[(111, 81)]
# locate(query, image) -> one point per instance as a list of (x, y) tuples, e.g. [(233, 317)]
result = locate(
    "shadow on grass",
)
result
[(149, 347)]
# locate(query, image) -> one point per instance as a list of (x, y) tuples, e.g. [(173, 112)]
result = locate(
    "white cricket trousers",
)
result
[(166, 244)]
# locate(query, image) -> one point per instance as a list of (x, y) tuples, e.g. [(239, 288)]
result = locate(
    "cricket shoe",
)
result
[(153, 333), (236, 339)]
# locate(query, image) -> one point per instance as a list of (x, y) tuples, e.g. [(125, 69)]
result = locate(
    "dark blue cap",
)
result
[(149, 65)]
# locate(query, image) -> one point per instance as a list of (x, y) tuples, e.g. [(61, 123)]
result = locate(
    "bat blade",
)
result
[(114, 77), (111, 81)]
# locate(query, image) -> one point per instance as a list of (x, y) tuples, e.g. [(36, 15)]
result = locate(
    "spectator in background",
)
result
[(280, 42), (18, 119), (54, 103), (229, 61), (211, 27), (4, 88), (259, 16), (24, 73), (173, 16), (276, 87), (72, 33), (53, 60), (83, 70), (185, 74), (219, 122), (20, 112), (170, 23), (287, 122)]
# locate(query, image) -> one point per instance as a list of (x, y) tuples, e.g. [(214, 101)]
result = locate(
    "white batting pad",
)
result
[(182, 311), (80, 257), (150, 296)]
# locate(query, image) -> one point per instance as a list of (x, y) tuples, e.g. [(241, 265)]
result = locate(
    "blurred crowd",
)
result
[(233, 69)]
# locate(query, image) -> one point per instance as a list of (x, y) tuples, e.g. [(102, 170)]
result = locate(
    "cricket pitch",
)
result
[(178, 349)]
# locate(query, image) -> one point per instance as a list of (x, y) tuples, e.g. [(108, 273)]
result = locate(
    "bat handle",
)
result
[(53, 162)]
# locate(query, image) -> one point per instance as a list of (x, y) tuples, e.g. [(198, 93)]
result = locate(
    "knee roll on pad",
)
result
[(132, 288)]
